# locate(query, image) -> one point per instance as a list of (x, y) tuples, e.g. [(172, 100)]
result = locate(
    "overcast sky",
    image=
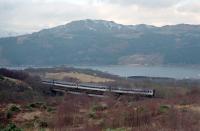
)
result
[(33, 15)]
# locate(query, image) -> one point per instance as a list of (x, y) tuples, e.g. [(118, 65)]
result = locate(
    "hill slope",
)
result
[(104, 42)]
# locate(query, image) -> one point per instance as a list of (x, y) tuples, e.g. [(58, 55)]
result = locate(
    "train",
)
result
[(96, 87)]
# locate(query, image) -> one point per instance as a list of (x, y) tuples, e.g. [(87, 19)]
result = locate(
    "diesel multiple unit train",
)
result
[(101, 88)]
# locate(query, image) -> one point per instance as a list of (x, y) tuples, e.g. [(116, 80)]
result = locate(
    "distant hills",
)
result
[(4, 33), (99, 42)]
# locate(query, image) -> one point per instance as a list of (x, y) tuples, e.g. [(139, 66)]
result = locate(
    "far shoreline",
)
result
[(162, 71)]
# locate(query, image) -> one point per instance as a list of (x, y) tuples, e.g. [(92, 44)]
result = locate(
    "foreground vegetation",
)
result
[(26, 105)]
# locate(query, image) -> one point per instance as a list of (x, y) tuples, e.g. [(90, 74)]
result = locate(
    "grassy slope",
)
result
[(177, 108)]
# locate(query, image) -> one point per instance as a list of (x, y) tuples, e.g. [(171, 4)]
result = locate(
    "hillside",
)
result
[(4, 33), (94, 42), (28, 105)]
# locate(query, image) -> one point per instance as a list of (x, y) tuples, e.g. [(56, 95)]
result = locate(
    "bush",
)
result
[(14, 108), (9, 114), (40, 124), (117, 129), (37, 105), (11, 110), (11, 127), (99, 107), (164, 108), (1, 77), (92, 114), (20, 75), (50, 109)]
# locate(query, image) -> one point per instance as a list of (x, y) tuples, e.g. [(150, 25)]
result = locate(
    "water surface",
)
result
[(151, 71), (177, 72)]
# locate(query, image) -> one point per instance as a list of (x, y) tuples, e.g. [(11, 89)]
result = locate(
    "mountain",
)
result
[(4, 33), (99, 42)]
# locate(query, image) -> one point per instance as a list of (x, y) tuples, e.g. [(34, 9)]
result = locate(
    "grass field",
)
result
[(75, 75)]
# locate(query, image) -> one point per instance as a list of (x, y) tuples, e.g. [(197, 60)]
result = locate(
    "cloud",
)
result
[(144, 3), (189, 7), (33, 15)]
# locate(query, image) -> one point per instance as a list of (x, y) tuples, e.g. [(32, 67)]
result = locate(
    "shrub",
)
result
[(1, 77), (96, 109), (20, 75), (28, 107), (50, 109), (11, 110), (117, 129), (11, 127), (14, 108), (9, 114), (40, 124), (140, 109), (92, 114), (37, 105), (164, 108), (99, 107)]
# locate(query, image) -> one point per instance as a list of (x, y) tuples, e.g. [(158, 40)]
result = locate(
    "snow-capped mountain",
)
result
[(104, 42)]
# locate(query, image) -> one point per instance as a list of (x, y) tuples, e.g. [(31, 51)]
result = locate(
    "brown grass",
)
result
[(80, 76), (27, 116), (84, 113)]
